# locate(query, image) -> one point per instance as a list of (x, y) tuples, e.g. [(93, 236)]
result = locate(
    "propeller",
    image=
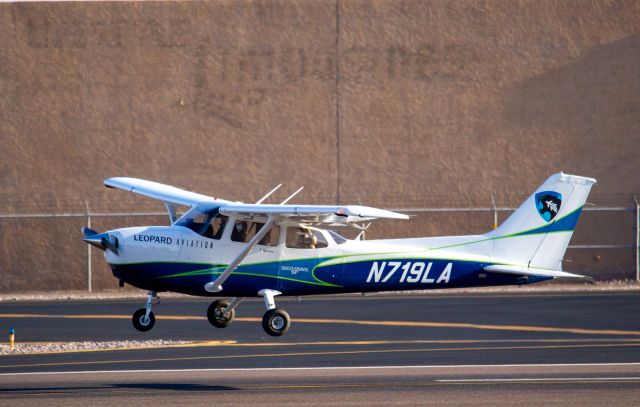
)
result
[(102, 241)]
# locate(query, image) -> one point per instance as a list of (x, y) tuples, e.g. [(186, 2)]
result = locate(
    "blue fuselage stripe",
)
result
[(304, 277)]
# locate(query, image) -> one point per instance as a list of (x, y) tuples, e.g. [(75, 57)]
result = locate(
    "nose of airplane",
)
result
[(102, 241)]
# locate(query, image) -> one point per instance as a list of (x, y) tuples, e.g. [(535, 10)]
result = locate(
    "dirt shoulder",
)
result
[(614, 286)]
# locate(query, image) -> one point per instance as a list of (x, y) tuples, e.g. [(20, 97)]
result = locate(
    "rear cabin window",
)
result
[(339, 239), (244, 231), (303, 238)]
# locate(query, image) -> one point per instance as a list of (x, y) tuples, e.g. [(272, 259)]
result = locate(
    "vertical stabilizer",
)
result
[(538, 232)]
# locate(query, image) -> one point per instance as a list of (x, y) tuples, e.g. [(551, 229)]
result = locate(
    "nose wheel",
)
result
[(276, 321), (143, 319), (221, 312)]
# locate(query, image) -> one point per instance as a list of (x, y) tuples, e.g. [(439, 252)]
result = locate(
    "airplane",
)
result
[(232, 249)]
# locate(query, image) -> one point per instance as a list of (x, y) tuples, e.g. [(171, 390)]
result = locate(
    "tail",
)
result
[(537, 234)]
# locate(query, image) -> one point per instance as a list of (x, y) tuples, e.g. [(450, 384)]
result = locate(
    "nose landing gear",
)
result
[(221, 312), (143, 319)]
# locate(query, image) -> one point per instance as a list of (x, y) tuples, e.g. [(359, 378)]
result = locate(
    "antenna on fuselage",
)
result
[(268, 194), (291, 196)]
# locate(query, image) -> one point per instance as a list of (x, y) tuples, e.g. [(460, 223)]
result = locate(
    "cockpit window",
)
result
[(207, 223), (303, 238), (217, 227)]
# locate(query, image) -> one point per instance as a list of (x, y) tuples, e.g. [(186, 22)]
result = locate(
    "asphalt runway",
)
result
[(485, 349)]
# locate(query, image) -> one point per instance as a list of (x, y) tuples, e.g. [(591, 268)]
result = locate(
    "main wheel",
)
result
[(141, 323), (216, 315), (276, 322)]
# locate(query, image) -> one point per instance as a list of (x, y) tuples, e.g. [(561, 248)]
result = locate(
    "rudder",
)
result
[(538, 232)]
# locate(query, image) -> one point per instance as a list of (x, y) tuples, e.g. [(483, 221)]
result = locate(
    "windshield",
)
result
[(206, 222)]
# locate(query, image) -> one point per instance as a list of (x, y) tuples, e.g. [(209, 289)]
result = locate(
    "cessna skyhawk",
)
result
[(220, 248)]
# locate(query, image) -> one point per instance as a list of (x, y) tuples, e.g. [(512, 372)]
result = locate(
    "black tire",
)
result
[(276, 322), (216, 316), (139, 323)]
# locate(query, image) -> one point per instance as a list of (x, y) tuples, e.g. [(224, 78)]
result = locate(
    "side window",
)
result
[(302, 238), (272, 238), (244, 231), (295, 238), (320, 240), (240, 231), (337, 237)]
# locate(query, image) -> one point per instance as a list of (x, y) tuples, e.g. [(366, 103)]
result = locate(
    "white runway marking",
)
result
[(536, 379), (262, 369)]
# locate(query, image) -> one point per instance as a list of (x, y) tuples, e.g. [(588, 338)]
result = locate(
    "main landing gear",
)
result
[(275, 322), (143, 319)]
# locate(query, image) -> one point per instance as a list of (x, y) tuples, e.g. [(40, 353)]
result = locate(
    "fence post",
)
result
[(86, 204), (637, 242), (495, 212)]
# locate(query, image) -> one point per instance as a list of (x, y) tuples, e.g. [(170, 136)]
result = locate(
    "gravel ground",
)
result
[(30, 348), (535, 288)]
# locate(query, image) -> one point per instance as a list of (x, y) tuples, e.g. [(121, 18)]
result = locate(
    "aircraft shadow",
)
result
[(191, 387)]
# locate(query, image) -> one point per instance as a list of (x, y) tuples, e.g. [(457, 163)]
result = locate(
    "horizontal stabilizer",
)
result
[(531, 271)]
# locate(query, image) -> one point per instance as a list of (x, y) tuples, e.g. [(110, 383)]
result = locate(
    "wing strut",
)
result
[(216, 286), (171, 209)]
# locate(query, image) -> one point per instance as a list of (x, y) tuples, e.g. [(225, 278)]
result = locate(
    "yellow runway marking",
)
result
[(327, 353), (516, 328), (233, 343), (473, 326)]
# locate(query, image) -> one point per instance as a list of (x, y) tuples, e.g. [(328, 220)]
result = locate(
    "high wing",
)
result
[(331, 214), (161, 192)]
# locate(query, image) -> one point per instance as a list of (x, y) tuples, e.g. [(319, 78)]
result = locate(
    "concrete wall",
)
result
[(389, 103)]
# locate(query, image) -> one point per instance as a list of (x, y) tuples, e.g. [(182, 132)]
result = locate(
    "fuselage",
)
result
[(176, 258)]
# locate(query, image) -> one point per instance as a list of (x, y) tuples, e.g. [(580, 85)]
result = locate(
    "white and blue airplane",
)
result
[(238, 250)]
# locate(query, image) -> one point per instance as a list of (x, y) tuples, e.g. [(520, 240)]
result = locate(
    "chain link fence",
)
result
[(44, 251)]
